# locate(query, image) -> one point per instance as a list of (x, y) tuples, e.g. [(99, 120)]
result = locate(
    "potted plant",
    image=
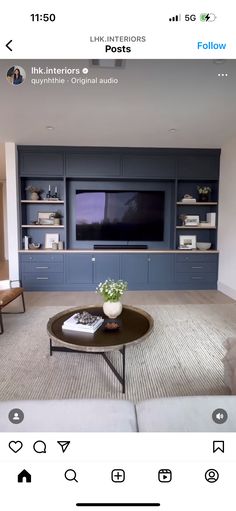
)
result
[(111, 292), (57, 215), (204, 193), (35, 192)]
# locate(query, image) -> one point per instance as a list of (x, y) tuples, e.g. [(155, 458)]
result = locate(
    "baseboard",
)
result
[(227, 290)]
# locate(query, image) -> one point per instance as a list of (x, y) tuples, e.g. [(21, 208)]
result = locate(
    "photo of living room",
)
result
[(117, 239)]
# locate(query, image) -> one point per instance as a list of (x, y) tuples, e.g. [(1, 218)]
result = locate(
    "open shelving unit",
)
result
[(29, 209), (204, 233)]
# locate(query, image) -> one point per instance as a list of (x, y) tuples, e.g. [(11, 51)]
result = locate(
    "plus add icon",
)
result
[(118, 475)]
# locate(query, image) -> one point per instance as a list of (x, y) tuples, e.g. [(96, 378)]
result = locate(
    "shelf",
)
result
[(197, 203), (193, 227), (42, 202), (32, 226)]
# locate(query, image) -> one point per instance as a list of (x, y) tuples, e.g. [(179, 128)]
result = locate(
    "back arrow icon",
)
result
[(7, 45)]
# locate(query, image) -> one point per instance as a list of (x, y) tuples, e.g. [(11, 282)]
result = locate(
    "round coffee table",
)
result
[(135, 325)]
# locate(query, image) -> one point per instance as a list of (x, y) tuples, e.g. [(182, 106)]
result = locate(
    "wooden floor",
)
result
[(4, 270), (72, 298)]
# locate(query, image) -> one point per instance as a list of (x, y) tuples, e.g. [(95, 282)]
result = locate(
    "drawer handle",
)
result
[(196, 267), (41, 267), (194, 278), (42, 278), (93, 259)]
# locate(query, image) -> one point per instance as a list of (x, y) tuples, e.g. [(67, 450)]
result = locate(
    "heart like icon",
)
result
[(15, 446)]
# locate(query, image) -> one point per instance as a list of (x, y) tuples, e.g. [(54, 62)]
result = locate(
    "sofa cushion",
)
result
[(193, 413), (229, 362), (88, 415)]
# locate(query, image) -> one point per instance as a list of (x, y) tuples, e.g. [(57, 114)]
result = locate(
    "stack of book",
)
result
[(188, 200), (83, 322)]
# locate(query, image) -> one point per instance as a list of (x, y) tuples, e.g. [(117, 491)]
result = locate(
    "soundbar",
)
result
[(120, 247)]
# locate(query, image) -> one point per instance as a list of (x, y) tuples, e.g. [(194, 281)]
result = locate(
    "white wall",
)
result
[(3, 181), (12, 209), (227, 220)]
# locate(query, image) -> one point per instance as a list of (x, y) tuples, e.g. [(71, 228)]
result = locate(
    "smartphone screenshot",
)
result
[(117, 262)]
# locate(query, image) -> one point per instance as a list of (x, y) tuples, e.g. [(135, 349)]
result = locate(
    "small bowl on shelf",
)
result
[(34, 246), (203, 246)]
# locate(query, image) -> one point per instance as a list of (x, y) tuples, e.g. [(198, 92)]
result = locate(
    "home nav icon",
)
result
[(24, 477)]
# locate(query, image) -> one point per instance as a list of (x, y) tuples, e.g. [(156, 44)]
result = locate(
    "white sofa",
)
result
[(229, 362), (96, 415)]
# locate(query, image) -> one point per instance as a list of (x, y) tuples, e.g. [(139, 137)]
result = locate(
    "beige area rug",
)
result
[(181, 357)]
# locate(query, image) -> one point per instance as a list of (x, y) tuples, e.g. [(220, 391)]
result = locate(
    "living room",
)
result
[(165, 130)]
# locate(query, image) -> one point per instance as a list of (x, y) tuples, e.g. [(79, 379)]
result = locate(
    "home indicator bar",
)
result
[(123, 504)]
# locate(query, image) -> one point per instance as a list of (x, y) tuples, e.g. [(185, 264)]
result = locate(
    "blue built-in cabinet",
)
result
[(78, 266)]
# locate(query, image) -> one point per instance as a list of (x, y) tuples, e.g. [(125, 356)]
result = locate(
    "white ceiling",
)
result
[(151, 98)]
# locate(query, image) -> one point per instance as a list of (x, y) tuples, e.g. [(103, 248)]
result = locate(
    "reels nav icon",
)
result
[(175, 18)]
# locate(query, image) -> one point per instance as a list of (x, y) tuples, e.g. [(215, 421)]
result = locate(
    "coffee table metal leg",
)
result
[(119, 377), (123, 354)]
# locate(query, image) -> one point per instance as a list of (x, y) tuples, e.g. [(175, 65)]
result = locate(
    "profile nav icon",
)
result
[(63, 444)]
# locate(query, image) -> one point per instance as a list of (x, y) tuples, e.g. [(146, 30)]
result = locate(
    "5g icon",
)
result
[(190, 17)]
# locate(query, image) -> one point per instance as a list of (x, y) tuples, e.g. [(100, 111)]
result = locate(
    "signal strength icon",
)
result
[(176, 18)]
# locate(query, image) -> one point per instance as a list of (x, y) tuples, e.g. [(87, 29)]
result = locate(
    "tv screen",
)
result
[(120, 216)]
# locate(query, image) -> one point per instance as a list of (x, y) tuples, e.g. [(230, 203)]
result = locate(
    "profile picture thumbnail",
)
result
[(16, 75)]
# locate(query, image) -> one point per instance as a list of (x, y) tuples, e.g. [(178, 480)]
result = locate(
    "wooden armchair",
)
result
[(9, 291)]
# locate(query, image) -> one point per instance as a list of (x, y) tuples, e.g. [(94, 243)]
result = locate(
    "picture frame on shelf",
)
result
[(191, 220), (187, 242), (51, 238)]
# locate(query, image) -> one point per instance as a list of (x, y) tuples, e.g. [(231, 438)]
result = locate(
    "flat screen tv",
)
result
[(120, 216)]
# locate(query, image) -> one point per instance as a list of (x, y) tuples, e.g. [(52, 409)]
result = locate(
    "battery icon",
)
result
[(207, 16)]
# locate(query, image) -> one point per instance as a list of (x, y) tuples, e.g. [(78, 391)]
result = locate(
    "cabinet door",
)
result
[(161, 270), (41, 164), (158, 167), (92, 165), (79, 268), (106, 266), (134, 269), (198, 166)]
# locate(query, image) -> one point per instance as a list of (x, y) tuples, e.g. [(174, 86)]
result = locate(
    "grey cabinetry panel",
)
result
[(198, 166), (41, 164), (42, 271), (106, 266), (92, 165), (196, 271), (161, 271), (79, 269), (134, 269), (159, 167)]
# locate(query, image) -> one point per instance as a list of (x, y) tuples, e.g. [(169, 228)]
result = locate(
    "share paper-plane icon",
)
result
[(63, 445)]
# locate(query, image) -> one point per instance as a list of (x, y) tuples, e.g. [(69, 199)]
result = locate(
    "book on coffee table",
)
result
[(76, 325)]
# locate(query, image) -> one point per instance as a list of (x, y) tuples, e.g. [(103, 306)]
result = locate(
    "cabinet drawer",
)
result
[(42, 267), (42, 258), (196, 258), (195, 267), (195, 277), (35, 279)]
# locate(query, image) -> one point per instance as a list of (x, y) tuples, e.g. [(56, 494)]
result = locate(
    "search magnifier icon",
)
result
[(70, 475)]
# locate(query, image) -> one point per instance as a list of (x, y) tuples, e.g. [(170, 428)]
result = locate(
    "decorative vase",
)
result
[(112, 309), (34, 196), (203, 197), (57, 221)]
